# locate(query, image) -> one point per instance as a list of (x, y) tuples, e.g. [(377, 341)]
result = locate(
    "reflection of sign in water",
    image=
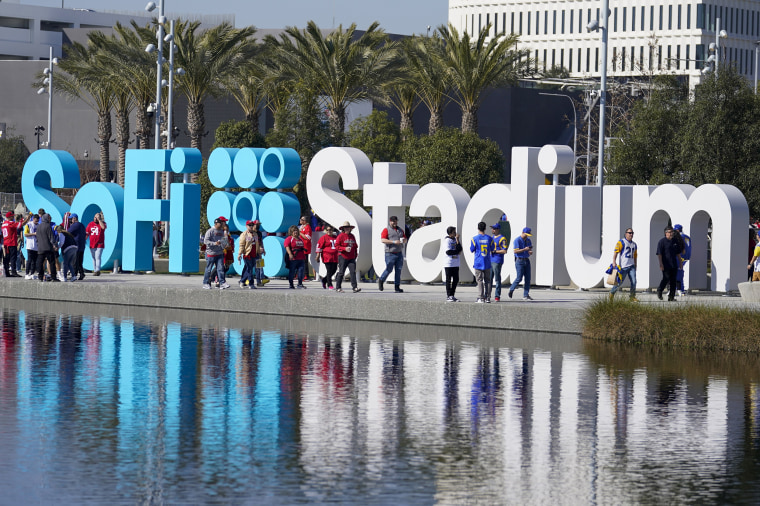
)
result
[(567, 229)]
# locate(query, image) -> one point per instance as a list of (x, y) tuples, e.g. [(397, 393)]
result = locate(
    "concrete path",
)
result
[(554, 311)]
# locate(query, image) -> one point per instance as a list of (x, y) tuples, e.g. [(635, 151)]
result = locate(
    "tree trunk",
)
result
[(196, 123), (338, 124), (122, 143), (470, 120), (436, 120), (407, 123), (143, 127), (104, 139), (253, 119)]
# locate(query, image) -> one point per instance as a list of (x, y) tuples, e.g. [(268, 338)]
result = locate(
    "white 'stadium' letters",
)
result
[(571, 243)]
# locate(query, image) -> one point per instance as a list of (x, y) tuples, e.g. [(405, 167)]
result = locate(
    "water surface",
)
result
[(109, 408)]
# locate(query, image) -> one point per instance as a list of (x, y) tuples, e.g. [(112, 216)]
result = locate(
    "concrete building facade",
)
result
[(650, 36)]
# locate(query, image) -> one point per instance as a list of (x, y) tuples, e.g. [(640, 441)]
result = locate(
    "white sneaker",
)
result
[(207, 287), (28, 276), (479, 301), (224, 286), (449, 299), (241, 285), (454, 299), (527, 297)]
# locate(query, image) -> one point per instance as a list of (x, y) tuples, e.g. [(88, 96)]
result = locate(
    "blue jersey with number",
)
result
[(482, 246)]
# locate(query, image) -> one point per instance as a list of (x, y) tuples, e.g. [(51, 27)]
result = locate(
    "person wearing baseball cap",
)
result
[(11, 230), (682, 258), (347, 252), (78, 231), (247, 251), (500, 246), (523, 249), (216, 240)]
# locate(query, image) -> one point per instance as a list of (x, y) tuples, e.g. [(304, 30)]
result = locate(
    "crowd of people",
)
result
[(55, 252)]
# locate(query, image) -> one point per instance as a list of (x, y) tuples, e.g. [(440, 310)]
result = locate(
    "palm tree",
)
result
[(343, 67), (248, 88), (402, 94), (85, 78), (474, 66), (425, 56), (208, 58), (110, 54)]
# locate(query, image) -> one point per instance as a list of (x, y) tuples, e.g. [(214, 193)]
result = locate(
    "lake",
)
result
[(102, 405)]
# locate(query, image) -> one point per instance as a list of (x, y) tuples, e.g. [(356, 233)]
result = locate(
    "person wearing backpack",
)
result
[(682, 258)]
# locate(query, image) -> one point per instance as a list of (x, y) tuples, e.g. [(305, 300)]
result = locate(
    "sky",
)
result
[(395, 16)]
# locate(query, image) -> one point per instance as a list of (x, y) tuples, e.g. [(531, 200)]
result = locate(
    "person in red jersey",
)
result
[(348, 250), (96, 231)]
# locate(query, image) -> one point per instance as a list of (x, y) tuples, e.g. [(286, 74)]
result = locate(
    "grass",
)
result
[(689, 326)]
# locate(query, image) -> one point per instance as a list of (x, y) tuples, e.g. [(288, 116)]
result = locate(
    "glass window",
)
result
[(699, 55), (544, 60), (670, 17), (580, 19), (546, 23), (678, 57), (678, 21), (488, 19), (633, 58), (614, 19), (624, 12), (520, 23), (562, 25), (571, 19), (554, 54), (700, 17), (633, 19), (659, 57), (661, 16), (643, 10), (512, 25), (651, 18), (641, 57), (480, 23), (596, 61), (687, 56), (537, 32), (651, 59), (554, 22), (622, 58), (579, 59), (588, 59), (688, 16), (536, 60)]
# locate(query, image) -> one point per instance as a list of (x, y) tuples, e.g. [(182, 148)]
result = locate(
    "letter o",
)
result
[(246, 167), (245, 208), (220, 167), (277, 211), (220, 204), (186, 160), (274, 261), (280, 168)]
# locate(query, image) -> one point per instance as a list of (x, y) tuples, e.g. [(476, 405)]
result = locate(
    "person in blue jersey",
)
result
[(682, 258), (497, 261), (627, 252), (523, 249), (482, 246)]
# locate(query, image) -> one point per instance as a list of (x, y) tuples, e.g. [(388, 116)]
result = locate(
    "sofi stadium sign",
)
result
[(572, 244)]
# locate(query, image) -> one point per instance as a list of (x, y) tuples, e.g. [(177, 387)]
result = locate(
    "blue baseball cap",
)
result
[(526, 231), (496, 226), (74, 215), (678, 227)]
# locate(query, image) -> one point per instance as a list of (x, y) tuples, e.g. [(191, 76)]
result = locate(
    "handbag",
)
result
[(259, 263)]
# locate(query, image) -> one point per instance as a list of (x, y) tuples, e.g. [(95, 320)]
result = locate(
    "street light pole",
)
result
[(50, 100), (575, 133), (602, 98), (757, 49)]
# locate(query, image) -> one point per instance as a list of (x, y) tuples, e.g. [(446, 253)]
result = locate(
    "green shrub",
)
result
[(450, 156)]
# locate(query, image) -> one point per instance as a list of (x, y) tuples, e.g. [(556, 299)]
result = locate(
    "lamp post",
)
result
[(715, 46), (601, 25), (48, 81), (38, 133), (757, 50), (159, 64), (575, 132)]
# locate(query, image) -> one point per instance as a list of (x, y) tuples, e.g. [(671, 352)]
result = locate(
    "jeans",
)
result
[(523, 271), (629, 271), (80, 263), (31, 261), (669, 279), (343, 264), (69, 262), (452, 280), (97, 253), (495, 279), (393, 261), (9, 260), (214, 262), (296, 271), (679, 280), (483, 277), (248, 267)]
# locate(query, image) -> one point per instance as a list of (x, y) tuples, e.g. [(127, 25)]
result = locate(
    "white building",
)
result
[(27, 32), (661, 36)]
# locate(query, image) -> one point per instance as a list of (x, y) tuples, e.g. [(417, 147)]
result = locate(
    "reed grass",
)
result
[(690, 326)]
